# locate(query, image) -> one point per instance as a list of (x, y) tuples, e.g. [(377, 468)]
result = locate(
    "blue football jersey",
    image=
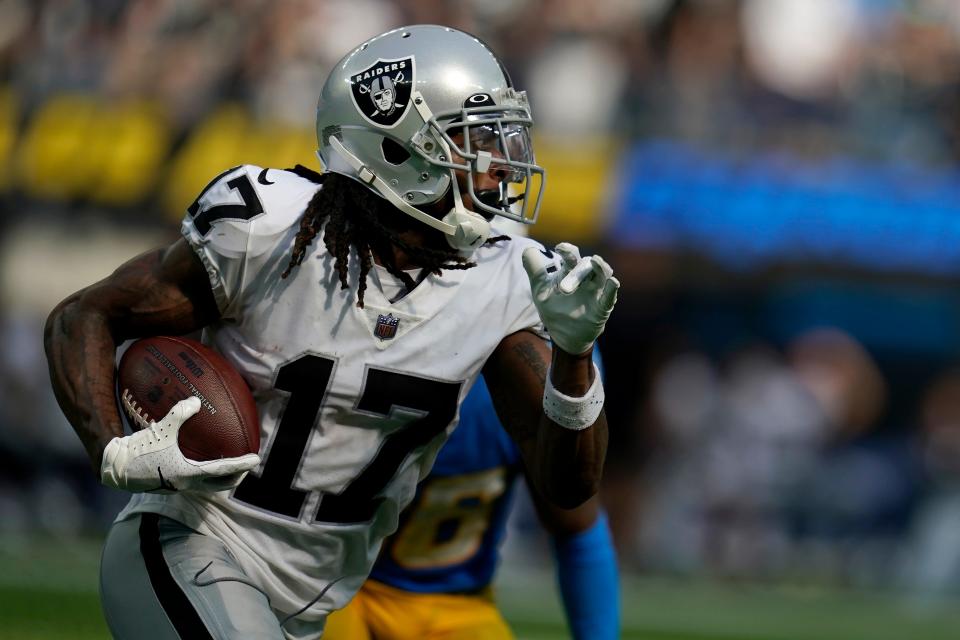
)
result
[(449, 537)]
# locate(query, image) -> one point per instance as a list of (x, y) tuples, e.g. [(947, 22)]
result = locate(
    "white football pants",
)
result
[(161, 580)]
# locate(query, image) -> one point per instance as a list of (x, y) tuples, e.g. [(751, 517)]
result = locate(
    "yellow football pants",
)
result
[(381, 612)]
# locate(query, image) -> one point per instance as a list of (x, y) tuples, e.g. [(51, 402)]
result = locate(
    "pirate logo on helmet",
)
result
[(381, 92)]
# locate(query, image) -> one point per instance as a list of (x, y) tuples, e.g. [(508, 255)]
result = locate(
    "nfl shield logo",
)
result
[(381, 92), (386, 326)]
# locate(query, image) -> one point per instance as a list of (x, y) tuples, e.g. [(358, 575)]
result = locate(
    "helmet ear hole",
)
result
[(393, 152)]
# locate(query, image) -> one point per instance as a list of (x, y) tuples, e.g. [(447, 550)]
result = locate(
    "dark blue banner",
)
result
[(747, 213)]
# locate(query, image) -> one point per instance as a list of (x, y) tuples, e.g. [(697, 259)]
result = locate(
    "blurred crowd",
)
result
[(751, 439), (874, 77)]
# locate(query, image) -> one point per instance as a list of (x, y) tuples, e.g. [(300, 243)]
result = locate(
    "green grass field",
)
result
[(48, 590)]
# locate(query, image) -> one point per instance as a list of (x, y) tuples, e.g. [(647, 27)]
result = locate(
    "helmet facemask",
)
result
[(490, 139)]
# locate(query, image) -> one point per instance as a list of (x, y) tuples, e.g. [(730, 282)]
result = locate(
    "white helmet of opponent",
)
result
[(406, 109)]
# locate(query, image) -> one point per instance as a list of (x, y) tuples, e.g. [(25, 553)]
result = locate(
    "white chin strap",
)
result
[(470, 229), (465, 230)]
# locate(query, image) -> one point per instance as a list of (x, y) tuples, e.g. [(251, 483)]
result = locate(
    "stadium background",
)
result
[(775, 181)]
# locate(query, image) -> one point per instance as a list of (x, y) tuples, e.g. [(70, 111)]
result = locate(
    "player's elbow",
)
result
[(571, 490), (568, 477), (56, 328), (54, 319)]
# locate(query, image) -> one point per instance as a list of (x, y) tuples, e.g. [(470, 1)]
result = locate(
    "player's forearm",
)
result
[(571, 461), (81, 352)]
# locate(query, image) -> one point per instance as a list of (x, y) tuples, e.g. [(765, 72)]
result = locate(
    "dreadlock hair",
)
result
[(357, 217)]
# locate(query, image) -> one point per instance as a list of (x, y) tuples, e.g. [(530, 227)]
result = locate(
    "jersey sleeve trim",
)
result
[(231, 203), (213, 273)]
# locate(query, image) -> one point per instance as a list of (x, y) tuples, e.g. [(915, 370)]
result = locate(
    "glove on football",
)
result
[(575, 299), (150, 460)]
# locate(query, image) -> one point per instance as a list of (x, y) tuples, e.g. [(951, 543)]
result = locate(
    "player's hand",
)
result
[(150, 459), (575, 299)]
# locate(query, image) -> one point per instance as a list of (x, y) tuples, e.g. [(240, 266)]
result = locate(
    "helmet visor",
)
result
[(509, 142)]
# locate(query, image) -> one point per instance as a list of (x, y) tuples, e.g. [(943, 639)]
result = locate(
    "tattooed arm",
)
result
[(564, 465), (165, 291)]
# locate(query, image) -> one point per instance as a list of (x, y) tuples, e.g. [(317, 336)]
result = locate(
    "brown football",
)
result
[(156, 373)]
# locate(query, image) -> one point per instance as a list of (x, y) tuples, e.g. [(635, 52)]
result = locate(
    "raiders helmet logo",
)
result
[(381, 92)]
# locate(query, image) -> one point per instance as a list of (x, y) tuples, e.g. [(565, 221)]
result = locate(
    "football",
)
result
[(156, 373)]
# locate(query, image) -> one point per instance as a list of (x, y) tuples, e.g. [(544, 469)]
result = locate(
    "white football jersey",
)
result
[(354, 403)]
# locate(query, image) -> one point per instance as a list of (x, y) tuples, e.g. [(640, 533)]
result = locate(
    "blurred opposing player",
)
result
[(360, 306), (432, 579)]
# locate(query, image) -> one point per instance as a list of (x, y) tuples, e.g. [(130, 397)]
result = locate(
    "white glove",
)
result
[(150, 459), (575, 299)]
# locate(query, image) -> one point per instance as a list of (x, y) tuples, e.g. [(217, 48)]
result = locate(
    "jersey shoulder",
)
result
[(509, 249), (506, 256), (502, 282), (245, 209)]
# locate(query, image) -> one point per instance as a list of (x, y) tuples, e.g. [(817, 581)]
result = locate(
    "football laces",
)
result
[(134, 411)]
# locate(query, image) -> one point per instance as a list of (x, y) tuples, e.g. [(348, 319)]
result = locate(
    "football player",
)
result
[(360, 306), (432, 579)]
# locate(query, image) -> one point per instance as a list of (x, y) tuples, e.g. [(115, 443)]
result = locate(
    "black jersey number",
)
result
[(250, 207), (307, 379)]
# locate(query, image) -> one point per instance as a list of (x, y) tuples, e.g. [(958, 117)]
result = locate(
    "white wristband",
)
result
[(574, 413)]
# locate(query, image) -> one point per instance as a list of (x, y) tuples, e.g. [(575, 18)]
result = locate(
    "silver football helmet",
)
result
[(406, 110)]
